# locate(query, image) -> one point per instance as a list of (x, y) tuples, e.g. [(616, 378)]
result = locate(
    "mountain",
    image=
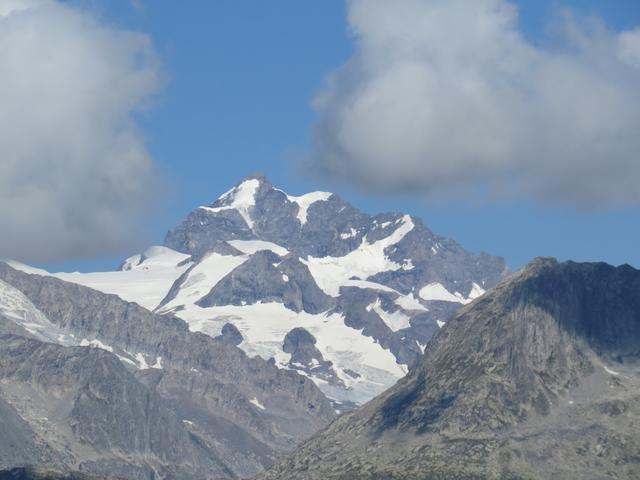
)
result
[(537, 379), (346, 299), (92, 383)]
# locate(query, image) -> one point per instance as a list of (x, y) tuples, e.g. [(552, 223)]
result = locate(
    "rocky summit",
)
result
[(346, 299), (537, 379)]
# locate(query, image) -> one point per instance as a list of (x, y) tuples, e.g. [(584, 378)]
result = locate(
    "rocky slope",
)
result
[(90, 382), (538, 379), (369, 290), (45, 474)]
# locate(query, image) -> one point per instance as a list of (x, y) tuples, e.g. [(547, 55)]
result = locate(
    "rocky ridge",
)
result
[(90, 382), (538, 379)]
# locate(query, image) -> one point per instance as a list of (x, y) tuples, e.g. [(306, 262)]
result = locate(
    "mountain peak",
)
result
[(541, 263), (257, 188)]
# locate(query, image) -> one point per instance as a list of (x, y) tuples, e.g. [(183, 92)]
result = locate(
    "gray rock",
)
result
[(18, 442), (537, 379), (266, 277), (86, 408), (301, 345), (203, 232), (230, 334)]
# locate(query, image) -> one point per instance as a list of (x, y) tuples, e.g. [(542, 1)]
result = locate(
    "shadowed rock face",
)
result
[(539, 378), (301, 345), (98, 404), (85, 399), (230, 334), (266, 277)]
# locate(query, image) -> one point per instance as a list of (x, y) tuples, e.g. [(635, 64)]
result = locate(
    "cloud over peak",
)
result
[(449, 94), (74, 169)]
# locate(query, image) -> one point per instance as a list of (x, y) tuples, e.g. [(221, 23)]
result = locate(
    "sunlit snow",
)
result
[(264, 326), (437, 292), (242, 199), (305, 201), (255, 401), (397, 320), (252, 246), (330, 273), (146, 281)]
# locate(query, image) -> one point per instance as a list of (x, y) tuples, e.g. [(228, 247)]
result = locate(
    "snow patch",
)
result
[(255, 401), (397, 320), (366, 284), (305, 201), (203, 277), (409, 302), (368, 259), (350, 234), (146, 280), (27, 268), (440, 323), (143, 365), (408, 264), (437, 292), (95, 344), (249, 247), (610, 372), (127, 360), (18, 308), (241, 198), (476, 291)]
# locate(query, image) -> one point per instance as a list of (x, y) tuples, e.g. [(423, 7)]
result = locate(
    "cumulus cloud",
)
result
[(74, 171), (444, 95)]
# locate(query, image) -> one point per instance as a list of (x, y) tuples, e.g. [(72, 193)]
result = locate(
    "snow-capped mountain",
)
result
[(342, 297)]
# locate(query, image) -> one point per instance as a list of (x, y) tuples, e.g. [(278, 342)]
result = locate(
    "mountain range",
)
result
[(299, 335), (346, 299)]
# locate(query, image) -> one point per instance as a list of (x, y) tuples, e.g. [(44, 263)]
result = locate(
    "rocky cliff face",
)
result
[(85, 409), (538, 379), (371, 290), (91, 382)]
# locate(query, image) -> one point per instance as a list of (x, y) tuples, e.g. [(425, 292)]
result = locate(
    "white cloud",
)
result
[(448, 94), (74, 171), (629, 47)]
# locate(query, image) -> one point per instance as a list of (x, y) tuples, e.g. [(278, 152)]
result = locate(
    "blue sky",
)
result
[(239, 80)]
